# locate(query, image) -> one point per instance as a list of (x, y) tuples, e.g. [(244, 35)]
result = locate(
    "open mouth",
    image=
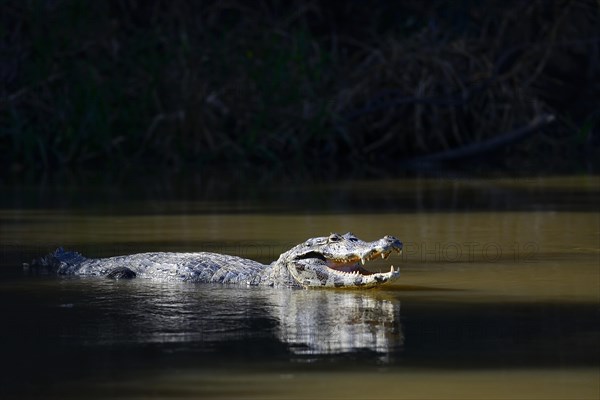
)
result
[(353, 265)]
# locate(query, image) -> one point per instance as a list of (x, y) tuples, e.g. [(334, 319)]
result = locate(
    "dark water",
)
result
[(499, 295)]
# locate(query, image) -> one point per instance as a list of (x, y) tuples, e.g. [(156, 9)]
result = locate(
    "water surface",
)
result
[(498, 297)]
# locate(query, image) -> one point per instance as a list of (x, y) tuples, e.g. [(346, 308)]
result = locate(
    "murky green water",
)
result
[(499, 295)]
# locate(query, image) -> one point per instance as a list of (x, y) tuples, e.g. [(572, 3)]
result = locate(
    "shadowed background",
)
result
[(163, 84)]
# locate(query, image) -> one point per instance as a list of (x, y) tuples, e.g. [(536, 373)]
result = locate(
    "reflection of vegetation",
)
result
[(172, 82)]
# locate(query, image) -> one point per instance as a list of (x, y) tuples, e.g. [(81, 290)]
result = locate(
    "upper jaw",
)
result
[(373, 250), (383, 251)]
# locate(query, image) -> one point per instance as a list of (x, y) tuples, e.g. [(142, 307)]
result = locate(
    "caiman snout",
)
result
[(381, 248), (393, 241), (389, 243)]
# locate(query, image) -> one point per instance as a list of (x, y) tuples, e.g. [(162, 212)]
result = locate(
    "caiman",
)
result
[(329, 261)]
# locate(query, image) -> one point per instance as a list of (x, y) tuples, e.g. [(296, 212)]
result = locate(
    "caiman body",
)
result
[(329, 261)]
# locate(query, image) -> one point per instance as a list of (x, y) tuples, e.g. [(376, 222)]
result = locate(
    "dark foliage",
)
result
[(169, 83)]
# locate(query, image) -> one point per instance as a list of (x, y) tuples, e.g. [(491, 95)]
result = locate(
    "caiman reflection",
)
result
[(306, 322), (324, 322)]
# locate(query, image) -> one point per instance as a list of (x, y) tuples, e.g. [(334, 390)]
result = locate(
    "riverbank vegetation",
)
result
[(170, 84)]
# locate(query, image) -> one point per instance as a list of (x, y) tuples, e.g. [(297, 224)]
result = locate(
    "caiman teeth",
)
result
[(350, 266)]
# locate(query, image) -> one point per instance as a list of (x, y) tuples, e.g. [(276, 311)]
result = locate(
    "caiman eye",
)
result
[(350, 236), (334, 237)]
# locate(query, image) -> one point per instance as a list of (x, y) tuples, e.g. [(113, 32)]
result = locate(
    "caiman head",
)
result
[(337, 261)]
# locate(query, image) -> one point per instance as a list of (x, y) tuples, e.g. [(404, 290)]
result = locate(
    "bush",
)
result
[(170, 83)]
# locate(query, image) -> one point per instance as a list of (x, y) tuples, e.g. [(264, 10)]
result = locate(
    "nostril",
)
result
[(394, 241)]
